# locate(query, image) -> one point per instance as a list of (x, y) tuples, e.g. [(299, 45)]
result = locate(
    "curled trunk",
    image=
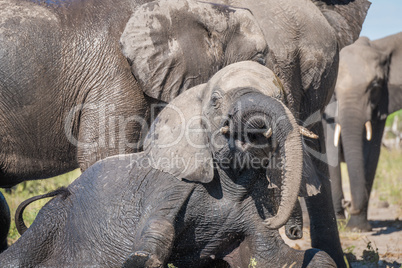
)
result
[(287, 135)]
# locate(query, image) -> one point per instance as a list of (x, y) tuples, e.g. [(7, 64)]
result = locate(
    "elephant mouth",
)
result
[(248, 146), (247, 137)]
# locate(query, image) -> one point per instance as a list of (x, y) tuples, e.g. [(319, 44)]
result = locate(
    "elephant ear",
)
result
[(175, 45), (345, 16), (177, 142)]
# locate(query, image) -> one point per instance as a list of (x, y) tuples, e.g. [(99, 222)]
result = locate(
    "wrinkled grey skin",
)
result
[(67, 93), (304, 40), (369, 88), (192, 215)]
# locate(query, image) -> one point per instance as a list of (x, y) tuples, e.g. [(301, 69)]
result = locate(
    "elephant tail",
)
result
[(19, 221)]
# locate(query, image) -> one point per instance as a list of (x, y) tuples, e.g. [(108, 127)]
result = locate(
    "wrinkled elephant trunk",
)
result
[(353, 134), (277, 126), (289, 141)]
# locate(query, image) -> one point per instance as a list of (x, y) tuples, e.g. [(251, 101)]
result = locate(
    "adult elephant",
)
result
[(304, 39), (67, 93), (368, 89)]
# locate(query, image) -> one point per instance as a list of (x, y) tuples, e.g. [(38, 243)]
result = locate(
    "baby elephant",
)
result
[(198, 195)]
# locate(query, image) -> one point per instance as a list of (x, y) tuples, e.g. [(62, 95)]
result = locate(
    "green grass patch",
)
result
[(388, 178), (29, 189), (390, 118)]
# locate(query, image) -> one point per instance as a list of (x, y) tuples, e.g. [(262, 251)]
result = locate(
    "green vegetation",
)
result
[(370, 254), (28, 189), (253, 263), (388, 179), (390, 118)]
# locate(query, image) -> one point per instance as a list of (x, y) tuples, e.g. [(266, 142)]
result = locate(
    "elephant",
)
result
[(304, 39), (192, 198), (368, 89), (68, 96)]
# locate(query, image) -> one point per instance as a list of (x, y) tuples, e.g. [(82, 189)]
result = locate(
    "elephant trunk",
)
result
[(284, 132), (353, 135), (291, 152)]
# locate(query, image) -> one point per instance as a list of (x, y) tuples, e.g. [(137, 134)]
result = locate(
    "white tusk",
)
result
[(268, 133), (307, 133), (369, 131), (337, 134), (224, 130)]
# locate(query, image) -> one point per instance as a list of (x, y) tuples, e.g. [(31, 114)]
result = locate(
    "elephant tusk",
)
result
[(369, 131), (267, 134), (307, 133), (224, 130), (337, 135)]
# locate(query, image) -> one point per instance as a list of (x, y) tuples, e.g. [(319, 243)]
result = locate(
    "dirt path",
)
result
[(386, 237)]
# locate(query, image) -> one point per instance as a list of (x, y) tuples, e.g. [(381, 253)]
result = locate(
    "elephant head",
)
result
[(174, 45), (369, 87), (230, 125)]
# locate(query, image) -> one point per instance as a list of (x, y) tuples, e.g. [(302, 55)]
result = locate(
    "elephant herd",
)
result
[(195, 125)]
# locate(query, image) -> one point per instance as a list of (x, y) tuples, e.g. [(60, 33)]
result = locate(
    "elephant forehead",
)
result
[(358, 66), (247, 74)]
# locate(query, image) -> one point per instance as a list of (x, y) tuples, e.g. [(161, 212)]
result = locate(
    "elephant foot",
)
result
[(142, 259), (340, 215), (358, 223)]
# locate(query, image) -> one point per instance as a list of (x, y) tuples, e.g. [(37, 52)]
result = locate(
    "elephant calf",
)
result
[(201, 192)]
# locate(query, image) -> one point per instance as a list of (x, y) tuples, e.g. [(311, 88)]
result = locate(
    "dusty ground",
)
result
[(386, 237)]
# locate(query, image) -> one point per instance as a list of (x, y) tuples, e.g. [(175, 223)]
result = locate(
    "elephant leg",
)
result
[(154, 246), (4, 222), (323, 225), (265, 248), (371, 151), (337, 192)]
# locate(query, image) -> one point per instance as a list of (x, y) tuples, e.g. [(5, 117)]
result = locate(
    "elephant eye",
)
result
[(216, 100), (260, 58)]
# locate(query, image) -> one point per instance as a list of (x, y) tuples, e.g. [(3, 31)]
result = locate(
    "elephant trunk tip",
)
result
[(277, 222)]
